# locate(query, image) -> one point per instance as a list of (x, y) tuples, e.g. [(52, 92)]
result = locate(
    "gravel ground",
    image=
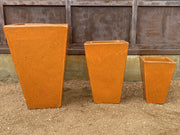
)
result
[(80, 116)]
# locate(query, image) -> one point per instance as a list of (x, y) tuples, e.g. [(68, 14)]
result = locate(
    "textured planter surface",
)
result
[(106, 62), (156, 73), (38, 52)]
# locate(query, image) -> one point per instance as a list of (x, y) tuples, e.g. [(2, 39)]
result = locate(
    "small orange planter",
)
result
[(156, 74), (38, 52), (106, 61)]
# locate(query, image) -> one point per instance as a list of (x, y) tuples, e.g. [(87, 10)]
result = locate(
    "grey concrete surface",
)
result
[(76, 68)]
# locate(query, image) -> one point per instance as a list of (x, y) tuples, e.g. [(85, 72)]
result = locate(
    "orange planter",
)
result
[(38, 52), (156, 73), (106, 62)]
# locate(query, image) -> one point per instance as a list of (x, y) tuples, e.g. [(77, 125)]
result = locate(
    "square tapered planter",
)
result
[(156, 74), (106, 61), (38, 52)]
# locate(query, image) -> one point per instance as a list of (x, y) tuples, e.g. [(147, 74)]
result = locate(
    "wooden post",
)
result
[(2, 36), (68, 20), (134, 23)]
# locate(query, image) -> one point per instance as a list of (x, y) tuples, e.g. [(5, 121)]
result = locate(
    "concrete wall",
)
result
[(76, 68)]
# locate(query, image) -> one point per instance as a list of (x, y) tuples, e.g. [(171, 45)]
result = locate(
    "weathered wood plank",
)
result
[(134, 51), (157, 46), (101, 2), (80, 51), (159, 3), (139, 49), (100, 23), (4, 51), (34, 14), (34, 2), (154, 51), (93, 2), (137, 46), (157, 28), (74, 2), (68, 20), (134, 23), (2, 36), (158, 25)]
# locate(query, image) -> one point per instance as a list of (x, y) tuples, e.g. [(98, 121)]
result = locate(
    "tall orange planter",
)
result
[(38, 52), (106, 61), (156, 74)]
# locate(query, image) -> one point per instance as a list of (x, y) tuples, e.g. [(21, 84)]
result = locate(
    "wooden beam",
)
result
[(101, 3), (35, 2), (134, 52), (157, 46), (137, 46), (138, 49), (91, 3), (68, 20), (75, 52), (131, 51), (133, 24), (4, 50), (2, 36), (159, 3), (154, 52), (74, 2)]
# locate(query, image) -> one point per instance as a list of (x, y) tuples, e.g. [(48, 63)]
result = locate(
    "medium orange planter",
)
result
[(106, 61), (156, 74), (38, 52)]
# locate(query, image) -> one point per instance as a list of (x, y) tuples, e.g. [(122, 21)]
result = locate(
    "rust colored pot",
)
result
[(156, 74), (106, 61), (38, 52)]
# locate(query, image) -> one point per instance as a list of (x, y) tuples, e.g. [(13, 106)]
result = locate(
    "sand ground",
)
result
[(80, 116)]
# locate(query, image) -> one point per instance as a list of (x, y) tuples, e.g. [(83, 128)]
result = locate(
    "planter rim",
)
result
[(157, 60), (35, 25), (106, 42)]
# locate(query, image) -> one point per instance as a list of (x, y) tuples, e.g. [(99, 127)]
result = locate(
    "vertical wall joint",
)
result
[(134, 23), (68, 19), (2, 36)]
